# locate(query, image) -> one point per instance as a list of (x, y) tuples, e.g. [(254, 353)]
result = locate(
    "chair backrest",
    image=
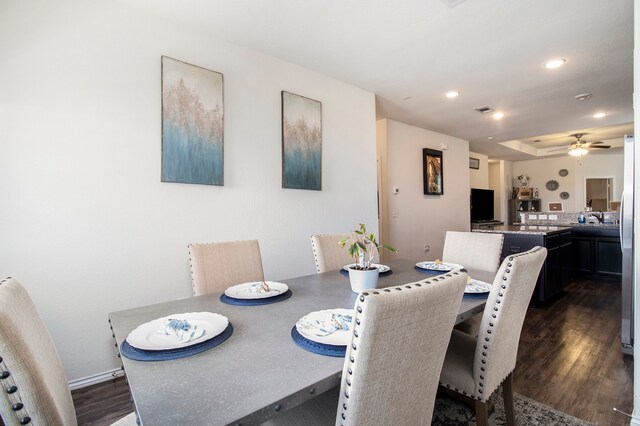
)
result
[(216, 266), (329, 256), (31, 374), (392, 367), (502, 320), (476, 251)]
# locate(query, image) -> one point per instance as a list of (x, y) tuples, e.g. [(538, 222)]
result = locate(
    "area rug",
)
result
[(451, 412)]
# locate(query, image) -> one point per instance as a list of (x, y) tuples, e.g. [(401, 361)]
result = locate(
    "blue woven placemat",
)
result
[(315, 347), (429, 271), (141, 355), (381, 274), (476, 295), (255, 302)]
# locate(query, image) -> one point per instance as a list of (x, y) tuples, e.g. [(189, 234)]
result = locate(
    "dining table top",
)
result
[(259, 370)]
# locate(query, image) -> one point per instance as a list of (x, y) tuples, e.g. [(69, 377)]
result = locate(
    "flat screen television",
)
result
[(481, 204)]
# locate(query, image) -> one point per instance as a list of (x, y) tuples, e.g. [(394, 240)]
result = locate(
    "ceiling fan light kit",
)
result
[(578, 151), (578, 148)]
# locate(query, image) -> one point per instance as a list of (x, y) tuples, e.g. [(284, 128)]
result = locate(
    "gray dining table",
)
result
[(259, 371)]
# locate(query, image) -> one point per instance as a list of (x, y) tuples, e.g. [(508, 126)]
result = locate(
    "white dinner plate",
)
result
[(477, 287), (151, 336), (253, 290), (442, 267), (315, 325), (381, 268)]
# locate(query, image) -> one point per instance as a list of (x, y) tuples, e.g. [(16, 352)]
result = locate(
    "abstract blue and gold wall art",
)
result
[(301, 142), (192, 124)]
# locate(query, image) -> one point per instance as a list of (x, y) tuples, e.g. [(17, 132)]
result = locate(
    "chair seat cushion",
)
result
[(457, 370)]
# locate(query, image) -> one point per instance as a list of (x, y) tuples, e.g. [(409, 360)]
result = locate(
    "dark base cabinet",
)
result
[(556, 271), (596, 251)]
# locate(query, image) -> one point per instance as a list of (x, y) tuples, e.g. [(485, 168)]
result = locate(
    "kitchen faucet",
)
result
[(598, 215)]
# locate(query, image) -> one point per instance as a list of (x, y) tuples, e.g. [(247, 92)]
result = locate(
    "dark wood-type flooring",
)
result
[(569, 358)]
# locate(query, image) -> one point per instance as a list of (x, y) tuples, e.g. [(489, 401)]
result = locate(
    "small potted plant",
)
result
[(363, 247)]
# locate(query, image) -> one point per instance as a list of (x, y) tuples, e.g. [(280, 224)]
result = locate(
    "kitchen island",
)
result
[(556, 271)]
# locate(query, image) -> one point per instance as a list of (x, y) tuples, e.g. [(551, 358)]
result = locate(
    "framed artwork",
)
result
[(525, 193), (556, 207), (432, 171), (192, 124), (301, 142), (474, 163)]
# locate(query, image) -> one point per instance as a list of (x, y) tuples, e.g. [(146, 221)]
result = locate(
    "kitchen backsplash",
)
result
[(557, 218)]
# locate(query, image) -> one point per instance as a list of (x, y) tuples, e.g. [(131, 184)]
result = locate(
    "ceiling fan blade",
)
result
[(595, 143), (601, 146)]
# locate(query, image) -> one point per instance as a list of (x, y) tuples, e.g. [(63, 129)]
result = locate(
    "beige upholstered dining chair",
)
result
[(34, 386), (479, 253), (476, 251), (329, 256), (474, 367), (391, 369), (216, 266)]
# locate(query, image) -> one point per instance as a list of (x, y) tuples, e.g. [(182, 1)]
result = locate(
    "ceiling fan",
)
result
[(578, 148)]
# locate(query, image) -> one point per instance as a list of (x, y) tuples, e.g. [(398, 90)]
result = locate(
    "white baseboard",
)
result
[(95, 379)]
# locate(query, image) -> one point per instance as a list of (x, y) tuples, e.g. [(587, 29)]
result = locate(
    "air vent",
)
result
[(483, 109)]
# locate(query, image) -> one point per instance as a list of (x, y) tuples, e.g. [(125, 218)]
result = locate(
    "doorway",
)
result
[(598, 193)]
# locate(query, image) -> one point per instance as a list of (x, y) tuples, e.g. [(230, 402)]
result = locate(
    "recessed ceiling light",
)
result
[(599, 115), (490, 138), (498, 115), (406, 98), (554, 63), (452, 94), (583, 96)]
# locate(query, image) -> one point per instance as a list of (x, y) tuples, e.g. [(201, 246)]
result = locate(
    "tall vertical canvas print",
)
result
[(301, 142), (192, 124), (432, 172)]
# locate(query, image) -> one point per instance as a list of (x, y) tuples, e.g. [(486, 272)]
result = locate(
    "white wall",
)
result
[(86, 224), (423, 219), (479, 178), (542, 170)]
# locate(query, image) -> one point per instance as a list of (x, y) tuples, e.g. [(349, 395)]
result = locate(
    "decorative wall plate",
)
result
[(563, 172), (552, 185), (564, 195)]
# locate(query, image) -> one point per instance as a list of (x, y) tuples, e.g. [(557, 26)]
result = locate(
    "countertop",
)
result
[(525, 229)]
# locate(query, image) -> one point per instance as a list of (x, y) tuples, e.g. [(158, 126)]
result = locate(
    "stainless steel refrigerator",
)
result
[(626, 243)]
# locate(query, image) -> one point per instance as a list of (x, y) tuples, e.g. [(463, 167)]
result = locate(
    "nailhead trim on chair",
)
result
[(483, 360), (12, 391), (10, 387), (359, 310), (315, 254), (193, 280)]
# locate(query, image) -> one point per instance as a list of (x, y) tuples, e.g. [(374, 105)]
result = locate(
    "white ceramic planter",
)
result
[(363, 280)]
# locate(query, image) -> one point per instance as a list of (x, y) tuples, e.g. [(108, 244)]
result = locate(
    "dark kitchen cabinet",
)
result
[(596, 251), (556, 271)]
